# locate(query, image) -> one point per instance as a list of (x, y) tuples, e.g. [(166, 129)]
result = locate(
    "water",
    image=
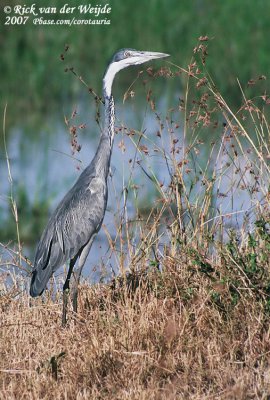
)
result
[(42, 164)]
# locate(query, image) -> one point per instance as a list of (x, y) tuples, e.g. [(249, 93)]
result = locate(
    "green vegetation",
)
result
[(190, 318), (35, 85), (32, 73)]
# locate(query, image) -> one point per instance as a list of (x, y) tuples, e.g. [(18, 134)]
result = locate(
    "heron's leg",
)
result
[(66, 290), (78, 271)]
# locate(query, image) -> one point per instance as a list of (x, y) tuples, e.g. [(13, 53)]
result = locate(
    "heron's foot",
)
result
[(65, 304)]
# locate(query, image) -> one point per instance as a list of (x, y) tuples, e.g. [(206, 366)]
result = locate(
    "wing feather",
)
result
[(71, 226)]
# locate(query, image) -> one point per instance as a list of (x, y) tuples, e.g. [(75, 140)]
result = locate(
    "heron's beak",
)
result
[(151, 55), (140, 57)]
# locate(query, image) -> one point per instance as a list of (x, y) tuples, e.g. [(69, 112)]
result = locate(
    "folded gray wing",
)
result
[(71, 226)]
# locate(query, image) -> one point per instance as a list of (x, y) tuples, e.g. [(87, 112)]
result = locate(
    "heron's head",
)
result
[(125, 58)]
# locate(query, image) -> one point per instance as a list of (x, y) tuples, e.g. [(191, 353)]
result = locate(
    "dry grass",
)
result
[(170, 337), (191, 318)]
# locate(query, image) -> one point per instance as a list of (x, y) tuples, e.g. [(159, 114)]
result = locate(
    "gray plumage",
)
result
[(77, 219), (78, 216)]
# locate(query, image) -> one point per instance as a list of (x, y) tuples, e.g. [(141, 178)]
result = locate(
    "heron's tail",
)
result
[(39, 281)]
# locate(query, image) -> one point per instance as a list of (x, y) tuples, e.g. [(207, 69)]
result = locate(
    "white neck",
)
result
[(110, 74), (108, 79)]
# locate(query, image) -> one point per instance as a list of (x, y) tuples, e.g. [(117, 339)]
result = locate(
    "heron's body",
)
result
[(78, 216), (77, 219)]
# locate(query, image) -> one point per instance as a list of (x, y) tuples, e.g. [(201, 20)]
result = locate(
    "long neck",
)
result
[(102, 157), (108, 131)]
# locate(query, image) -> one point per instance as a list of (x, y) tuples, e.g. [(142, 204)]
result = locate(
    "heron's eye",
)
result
[(127, 54)]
